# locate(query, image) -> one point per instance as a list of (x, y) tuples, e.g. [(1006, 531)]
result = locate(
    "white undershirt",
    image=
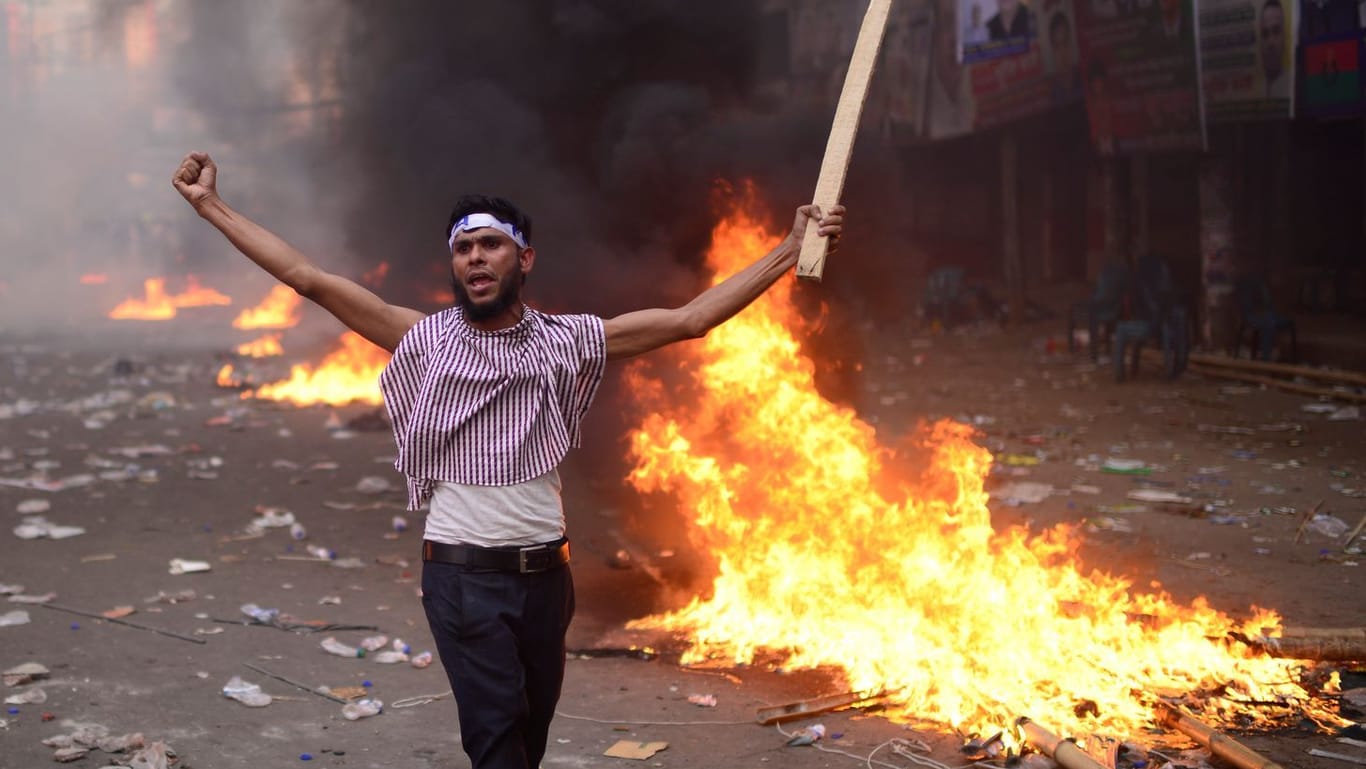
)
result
[(527, 513)]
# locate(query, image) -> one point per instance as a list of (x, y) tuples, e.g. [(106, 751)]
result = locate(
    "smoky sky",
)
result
[(609, 123)]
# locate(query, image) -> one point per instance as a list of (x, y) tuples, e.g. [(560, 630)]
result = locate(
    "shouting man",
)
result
[(486, 399)]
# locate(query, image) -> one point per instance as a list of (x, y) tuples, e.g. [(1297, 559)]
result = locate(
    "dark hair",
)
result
[(1271, 4), (485, 204)]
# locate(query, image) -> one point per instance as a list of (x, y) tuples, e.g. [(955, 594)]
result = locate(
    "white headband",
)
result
[(477, 221)]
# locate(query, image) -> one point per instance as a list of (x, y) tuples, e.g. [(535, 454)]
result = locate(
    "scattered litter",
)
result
[(184, 566), (36, 527), (33, 506), (1344, 414), (421, 660), (1109, 524), (1160, 495), (1022, 493), (354, 711), (373, 484), (34, 696), (44, 598), (1319, 408), (25, 673), (13, 618), (333, 646), (1125, 466), (703, 700), (1328, 525), (636, 750), (807, 735), (246, 693)]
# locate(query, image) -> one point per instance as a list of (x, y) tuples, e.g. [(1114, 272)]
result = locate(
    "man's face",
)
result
[(487, 270), (1272, 29)]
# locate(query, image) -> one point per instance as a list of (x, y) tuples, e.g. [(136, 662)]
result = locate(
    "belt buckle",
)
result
[(521, 559)]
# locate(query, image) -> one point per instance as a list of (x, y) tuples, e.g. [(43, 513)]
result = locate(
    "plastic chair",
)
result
[(1258, 322), (1102, 310), (1157, 316)]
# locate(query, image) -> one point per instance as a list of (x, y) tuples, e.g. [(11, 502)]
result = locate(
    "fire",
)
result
[(375, 277), (348, 374), (94, 279), (900, 585), (278, 310), (263, 347), (156, 304)]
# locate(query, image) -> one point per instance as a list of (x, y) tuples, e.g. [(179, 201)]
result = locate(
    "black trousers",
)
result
[(500, 636)]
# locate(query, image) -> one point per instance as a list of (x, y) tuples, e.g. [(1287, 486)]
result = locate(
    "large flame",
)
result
[(156, 304), (904, 586), (280, 309), (348, 374)]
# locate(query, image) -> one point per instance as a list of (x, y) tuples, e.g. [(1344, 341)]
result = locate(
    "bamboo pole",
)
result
[(1308, 372), (1283, 384), (1065, 752), (1220, 745), (803, 708), (1318, 648)]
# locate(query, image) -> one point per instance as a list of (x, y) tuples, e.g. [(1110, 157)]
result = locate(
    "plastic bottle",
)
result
[(333, 646), (389, 656), (362, 708), (259, 614), (245, 693), (297, 531), (374, 642), (400, 645), (318, 551), (421, 660)]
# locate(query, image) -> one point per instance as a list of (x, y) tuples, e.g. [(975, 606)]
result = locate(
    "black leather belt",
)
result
[(526, 560)]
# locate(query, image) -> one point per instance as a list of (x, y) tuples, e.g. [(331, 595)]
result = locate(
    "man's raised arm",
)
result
[(354, 305), (644, 330)]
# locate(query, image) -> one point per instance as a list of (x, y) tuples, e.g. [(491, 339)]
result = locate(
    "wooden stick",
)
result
[(804, 708), (1065, 752), (840, 145), (1338, 756), (297, 685), (103, 618), (1308, 372), (1308, 516), (1356, 532), (1220, 745), (1284, 384)]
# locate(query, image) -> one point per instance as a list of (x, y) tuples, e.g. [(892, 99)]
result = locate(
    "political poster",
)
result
[(1247, 59), (1142, 87)]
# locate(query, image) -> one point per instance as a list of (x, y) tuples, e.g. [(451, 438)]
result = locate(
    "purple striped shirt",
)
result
[(490, 408)]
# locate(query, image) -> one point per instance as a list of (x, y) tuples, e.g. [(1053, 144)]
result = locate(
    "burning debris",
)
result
[(156, 304), (901, 583)]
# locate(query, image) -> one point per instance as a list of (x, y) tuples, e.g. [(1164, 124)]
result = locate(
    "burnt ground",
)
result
[(186, 466)]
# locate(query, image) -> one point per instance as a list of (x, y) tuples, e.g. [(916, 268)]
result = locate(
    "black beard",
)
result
[(509, 294)]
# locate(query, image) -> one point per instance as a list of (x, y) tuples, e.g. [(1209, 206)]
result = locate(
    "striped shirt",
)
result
[(490, 408)]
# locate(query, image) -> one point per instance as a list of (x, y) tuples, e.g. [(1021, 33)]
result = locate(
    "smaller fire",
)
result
[(375, 278), (278, 310), (346, 375), (156, 304), (264, 347)]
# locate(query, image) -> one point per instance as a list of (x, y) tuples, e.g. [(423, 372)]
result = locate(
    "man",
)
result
[(1271, 37), (1013, 20), (486, 399)]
